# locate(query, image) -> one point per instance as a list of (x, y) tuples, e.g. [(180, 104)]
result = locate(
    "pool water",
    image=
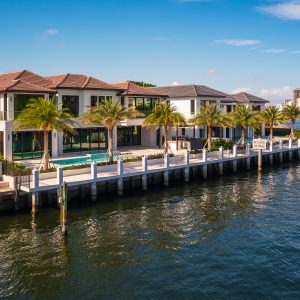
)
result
[(99, 157)]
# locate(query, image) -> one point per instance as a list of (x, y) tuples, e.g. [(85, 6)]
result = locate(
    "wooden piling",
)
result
[(63, 208)]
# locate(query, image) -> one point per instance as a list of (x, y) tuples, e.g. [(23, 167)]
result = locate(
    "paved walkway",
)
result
[(110, 171)]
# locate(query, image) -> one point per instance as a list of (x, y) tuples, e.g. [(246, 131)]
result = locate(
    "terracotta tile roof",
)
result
[(77, 81), (132, 89), (247, 98), (24, 81), (189, 90)]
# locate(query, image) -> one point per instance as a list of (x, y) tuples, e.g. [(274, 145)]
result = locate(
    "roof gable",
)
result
[(189, 90), (24, 81), (78, 81), (132, 89)]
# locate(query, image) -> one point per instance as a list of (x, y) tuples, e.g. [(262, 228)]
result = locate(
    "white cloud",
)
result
[(278, 94), (241, 90), (295, 52), (211, 72), (176, 83), (287, 10), (274, 51), (238, 42), (52, 31)]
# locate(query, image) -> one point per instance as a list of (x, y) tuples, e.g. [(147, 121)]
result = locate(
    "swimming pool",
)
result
[(89, 158)]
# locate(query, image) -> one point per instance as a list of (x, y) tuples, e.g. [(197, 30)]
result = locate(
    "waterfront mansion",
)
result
[(80, 92)]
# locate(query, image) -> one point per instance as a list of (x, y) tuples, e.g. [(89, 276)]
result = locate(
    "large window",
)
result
[(29, 144), (85, 139), (99, 99), (143, 104), (21, 100), (192, 107), (128, 136), (72, 104)]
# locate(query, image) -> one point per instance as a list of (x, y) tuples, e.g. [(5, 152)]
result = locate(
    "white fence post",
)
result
[(234, 151), (144, 176), (59, 180), (120, 180)]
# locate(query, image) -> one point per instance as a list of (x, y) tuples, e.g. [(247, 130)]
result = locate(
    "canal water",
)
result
[(237, 237)]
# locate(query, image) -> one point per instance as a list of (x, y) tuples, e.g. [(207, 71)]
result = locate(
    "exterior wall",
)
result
[(148, 136)]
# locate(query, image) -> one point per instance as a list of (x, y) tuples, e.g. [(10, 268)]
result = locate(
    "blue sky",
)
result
[(227, 44)]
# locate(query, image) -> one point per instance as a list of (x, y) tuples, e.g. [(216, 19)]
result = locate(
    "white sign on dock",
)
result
[(259, 144)]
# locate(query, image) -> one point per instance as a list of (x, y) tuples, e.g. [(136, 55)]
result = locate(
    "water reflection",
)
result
[(182, 237)]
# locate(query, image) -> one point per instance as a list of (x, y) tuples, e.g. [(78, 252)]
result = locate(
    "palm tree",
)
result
[(45, 114), (108, 114), (291, 113), (209, 116), (271, 116), (164, 115), (243, 117)]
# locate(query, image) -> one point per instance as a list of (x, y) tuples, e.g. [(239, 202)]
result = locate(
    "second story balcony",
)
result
[(143, 105)]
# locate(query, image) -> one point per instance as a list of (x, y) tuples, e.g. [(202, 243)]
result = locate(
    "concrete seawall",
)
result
[(164, 172)]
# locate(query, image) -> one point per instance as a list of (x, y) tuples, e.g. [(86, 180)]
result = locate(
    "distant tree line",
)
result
[(142, 83)]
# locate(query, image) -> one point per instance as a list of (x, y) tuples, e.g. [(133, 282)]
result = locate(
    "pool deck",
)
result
[(128, 150)]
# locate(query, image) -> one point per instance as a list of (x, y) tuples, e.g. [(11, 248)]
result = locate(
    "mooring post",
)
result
[(281, 151), (94, 182), (204, 167), (259, 160), (248, 154), (221, 163), (290, 151), (120, 180), (59, 181), (234, 161), (187, 168), (35, 194), (63, 208), (166, 172), (144, 176)]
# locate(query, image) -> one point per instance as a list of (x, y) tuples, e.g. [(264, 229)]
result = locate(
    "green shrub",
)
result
[(216, 144)]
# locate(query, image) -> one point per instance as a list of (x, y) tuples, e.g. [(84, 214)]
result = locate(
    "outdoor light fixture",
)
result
[(8, 137)]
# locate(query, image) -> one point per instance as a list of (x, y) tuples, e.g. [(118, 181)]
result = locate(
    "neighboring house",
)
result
[(131, 132), (243, 98), (188, 100), (16, 89), (78, 93)]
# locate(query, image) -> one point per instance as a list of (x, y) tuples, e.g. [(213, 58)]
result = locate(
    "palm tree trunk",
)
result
[(110, 145), (292, 129), (166, 139), (271, 134), (209, 129), (243, 136), (46, 150)]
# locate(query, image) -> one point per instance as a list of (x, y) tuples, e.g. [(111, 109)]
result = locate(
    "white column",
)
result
[(234, 151), (290, 144)]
